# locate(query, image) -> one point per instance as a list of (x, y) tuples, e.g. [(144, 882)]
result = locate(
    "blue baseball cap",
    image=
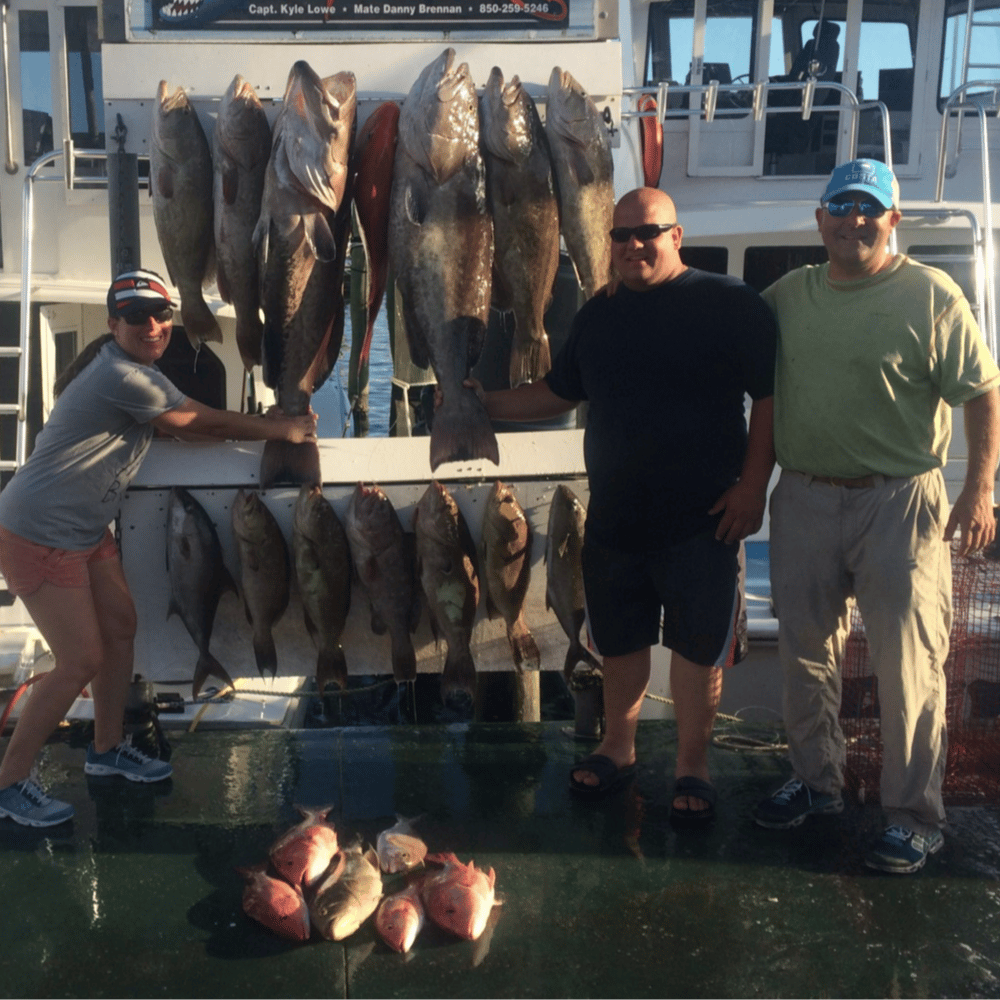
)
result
[(869, 176)]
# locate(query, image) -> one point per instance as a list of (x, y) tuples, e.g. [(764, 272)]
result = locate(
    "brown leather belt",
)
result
[(861, 483)]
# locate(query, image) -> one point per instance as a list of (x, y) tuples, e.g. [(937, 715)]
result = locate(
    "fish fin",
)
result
[(331, 666), (523, 645), (284, 462), (199, 323), (261, 239), (462, 431), (320, 237), (222, 281), (459, 674), (230, 184), (165, 182), (529, 360), (379, 626), (265, 654), (208, 666), (404, 662), (577, 653)]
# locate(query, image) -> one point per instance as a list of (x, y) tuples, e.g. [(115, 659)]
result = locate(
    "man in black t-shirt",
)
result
[(676, 482)]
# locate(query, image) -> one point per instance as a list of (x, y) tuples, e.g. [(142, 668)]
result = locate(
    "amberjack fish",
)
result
[(180, 184), (581, 158), (441, 249), (347, 895), (522, 199), (198, 578), (399, 848), (240, 150), (301, 241)]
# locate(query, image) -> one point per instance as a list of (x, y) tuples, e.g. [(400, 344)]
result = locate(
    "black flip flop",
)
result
[(610, 777), (694, 788)]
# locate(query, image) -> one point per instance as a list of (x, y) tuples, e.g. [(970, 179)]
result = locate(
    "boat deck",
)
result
[(139, 897)]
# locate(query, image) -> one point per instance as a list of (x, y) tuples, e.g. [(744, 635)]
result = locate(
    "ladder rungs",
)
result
[(10, 352)]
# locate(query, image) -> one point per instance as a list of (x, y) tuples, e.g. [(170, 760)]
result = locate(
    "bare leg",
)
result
[(696, 691), (117, 622), (67, 619), (625, 681)]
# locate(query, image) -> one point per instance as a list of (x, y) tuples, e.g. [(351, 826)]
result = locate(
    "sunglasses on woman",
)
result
[(138, 317)]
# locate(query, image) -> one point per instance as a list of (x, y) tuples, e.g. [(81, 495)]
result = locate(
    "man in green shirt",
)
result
[(874, 350)]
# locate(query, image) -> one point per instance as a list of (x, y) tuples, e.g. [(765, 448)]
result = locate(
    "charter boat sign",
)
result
[(327, 15)]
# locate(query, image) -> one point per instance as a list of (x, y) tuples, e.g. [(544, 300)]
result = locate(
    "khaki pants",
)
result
[(883, 546)]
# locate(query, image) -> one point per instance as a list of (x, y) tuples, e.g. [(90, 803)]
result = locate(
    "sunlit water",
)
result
[(326, 403)]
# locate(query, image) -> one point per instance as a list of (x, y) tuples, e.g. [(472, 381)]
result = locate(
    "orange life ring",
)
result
[(651, 132)]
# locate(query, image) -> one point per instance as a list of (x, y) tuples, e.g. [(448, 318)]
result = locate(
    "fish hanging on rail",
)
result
[(301, 241), (441, 250)]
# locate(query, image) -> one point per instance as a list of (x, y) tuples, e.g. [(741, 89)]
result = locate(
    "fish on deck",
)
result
[(399, 848), (270, 901), (304, 852)]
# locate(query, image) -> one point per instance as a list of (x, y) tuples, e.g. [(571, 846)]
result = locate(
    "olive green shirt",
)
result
[(867, 371)]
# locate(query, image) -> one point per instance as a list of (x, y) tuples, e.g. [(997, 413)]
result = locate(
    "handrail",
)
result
[(758, 106), (10, 166), (958, 101), (27, 248)]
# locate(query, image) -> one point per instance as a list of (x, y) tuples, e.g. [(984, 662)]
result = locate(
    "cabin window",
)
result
[(984, 46), (86, 99), (36, 83), (762, 266)]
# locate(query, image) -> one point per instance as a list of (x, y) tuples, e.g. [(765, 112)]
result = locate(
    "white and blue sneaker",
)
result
[(903, 850), (25, 803), (127, 761), (792, 803)]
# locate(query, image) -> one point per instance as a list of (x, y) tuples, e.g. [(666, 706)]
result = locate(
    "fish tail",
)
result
[(578, 654), (208, 666), (265, 653), (199, 323), (284, 462), (462, 430), (331, 667), (404, 660), (529, 360), (459, 674), (523, 645)]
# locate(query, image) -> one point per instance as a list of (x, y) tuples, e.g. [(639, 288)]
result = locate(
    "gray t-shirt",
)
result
[(85, 456)]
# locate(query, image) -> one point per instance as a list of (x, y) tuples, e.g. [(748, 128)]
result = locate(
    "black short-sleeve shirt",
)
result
[(665, 372)]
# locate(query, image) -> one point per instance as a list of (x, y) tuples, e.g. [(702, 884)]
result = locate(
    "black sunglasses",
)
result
[(841, 208), (648, 231), (138, 317)]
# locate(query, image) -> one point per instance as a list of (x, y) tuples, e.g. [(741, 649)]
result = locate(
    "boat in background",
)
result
[(739, 109)]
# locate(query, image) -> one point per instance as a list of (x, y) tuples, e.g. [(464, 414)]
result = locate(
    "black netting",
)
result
[(973, 703)]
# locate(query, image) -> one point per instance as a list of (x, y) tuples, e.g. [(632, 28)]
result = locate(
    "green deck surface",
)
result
[(138, 897)]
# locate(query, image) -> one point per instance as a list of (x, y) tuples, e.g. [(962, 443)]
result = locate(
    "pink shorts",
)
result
[(26, 566)]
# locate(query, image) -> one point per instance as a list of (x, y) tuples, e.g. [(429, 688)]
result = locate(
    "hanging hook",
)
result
[(120, 133)]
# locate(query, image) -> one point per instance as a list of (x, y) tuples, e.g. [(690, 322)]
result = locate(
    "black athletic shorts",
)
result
[(696, 584)]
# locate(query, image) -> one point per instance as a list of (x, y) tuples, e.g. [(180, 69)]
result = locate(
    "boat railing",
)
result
[(985, 103), (755, 103)]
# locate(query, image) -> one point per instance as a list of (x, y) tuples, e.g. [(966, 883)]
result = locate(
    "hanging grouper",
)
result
[(441, 249), (180, 183), (301, 241)]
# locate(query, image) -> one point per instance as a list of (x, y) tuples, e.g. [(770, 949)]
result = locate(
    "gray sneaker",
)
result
[(792, 803), (902, 850), (127, 761), (25, 803)]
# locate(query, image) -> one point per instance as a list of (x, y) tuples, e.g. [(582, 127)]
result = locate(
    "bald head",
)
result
[(652, 204), (643, 264)]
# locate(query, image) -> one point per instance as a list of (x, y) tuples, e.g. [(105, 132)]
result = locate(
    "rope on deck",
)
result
[(736, 742)]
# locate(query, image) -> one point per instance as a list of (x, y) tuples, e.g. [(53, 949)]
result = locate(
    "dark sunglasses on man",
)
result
[(840, 207), (139, 317), (648, 231)]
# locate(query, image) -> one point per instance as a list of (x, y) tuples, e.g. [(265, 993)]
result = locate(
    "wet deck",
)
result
[(138, 897)]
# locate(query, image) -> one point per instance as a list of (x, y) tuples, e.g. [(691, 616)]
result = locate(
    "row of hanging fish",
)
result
[(438, 564), (311, 882), (463, 197)]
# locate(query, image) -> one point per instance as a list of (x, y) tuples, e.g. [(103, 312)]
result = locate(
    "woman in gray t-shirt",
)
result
[(57, 553)]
